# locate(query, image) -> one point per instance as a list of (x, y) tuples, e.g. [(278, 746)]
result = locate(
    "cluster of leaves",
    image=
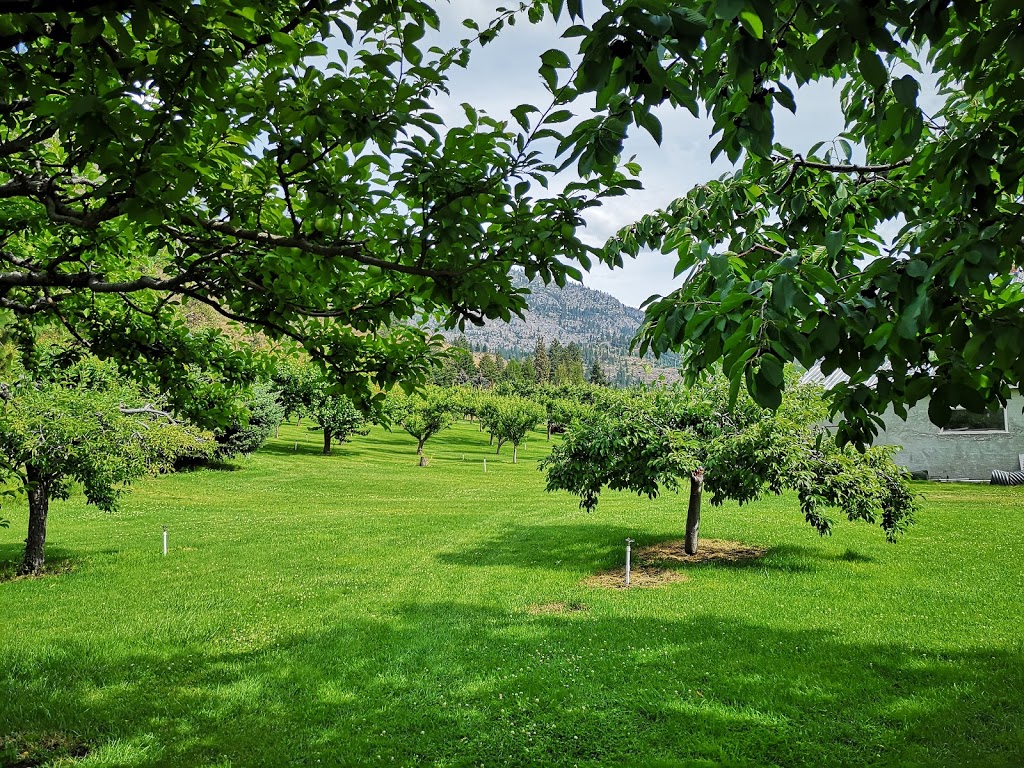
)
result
[(158, 152), (783, 260), (647, 441)]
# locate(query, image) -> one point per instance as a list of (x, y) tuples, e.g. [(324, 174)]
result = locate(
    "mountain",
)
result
[(599, 323)]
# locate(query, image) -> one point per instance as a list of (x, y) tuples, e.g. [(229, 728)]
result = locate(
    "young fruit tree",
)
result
[(510, 420), (337, 416), (784, 259), (565, 404), (653, 440), (422, 415), (292, 382), (54, 434)]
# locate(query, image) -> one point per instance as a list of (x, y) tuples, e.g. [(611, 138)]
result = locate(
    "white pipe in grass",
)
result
[(165, 541), (629, 544)]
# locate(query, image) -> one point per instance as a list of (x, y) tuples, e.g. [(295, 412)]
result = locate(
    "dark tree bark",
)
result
[(693, 511), (327, 442), (549, 431), (38, 509), (419, 447)]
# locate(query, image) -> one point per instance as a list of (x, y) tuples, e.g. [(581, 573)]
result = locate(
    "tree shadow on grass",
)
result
[(306, 450), (455, 684), (600, 547), (800, 551), (212, 465)]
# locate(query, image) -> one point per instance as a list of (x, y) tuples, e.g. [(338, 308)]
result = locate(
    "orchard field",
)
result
[(357, 609)]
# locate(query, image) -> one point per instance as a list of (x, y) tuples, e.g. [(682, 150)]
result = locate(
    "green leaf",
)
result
[(555, 58), (834, 243), (520, 114), (905, 89), (727, 9), (752, 23), (872, 68), (917, 268)]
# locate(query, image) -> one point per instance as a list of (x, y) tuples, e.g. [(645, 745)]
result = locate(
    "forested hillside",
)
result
[(598, 323)]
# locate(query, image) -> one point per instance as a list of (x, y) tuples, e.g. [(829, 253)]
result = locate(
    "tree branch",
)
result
[(352, 249), (798, 162), (147, 409)]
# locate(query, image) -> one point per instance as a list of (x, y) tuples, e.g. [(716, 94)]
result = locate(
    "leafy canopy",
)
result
[(279, 162), (782, 258)]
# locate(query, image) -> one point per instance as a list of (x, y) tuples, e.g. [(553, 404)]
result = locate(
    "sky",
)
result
[(504, 74)]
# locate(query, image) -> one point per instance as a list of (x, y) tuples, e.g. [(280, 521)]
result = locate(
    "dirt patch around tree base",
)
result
[(9, 571), (639, 576), (708, 551), (648, 566), (561, 607), (24, 751)]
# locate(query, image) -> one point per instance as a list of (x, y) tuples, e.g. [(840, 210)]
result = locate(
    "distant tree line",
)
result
[(551, 363)]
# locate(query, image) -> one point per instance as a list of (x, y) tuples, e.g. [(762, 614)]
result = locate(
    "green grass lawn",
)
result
[(360, 610)]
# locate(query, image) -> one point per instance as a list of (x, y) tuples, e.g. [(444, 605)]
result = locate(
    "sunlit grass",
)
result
[(360, 610)]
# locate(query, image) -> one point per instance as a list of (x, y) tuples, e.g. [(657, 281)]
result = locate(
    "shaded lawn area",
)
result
[(360, 610)]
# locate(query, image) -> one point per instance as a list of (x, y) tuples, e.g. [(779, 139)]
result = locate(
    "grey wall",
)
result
[(954, 455)]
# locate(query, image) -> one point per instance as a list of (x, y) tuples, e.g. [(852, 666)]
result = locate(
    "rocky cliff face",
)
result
[(598, 322)]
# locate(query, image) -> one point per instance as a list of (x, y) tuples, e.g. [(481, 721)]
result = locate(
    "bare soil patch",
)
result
[(639, 576), (548, 608), (649, 563), (708, 551), (22, 751), (9, 571)]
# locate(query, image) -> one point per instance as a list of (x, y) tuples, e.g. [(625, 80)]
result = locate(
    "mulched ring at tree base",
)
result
[(648, 567), (708, 551), (20, 750)]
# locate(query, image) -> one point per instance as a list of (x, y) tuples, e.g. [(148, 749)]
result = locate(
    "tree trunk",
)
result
[(515, 453), (298, 420), (277, 431), (693, 511), (549, 431), (419, 447), (327, 442), (492, 438), (424, 461), (38, 508)]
